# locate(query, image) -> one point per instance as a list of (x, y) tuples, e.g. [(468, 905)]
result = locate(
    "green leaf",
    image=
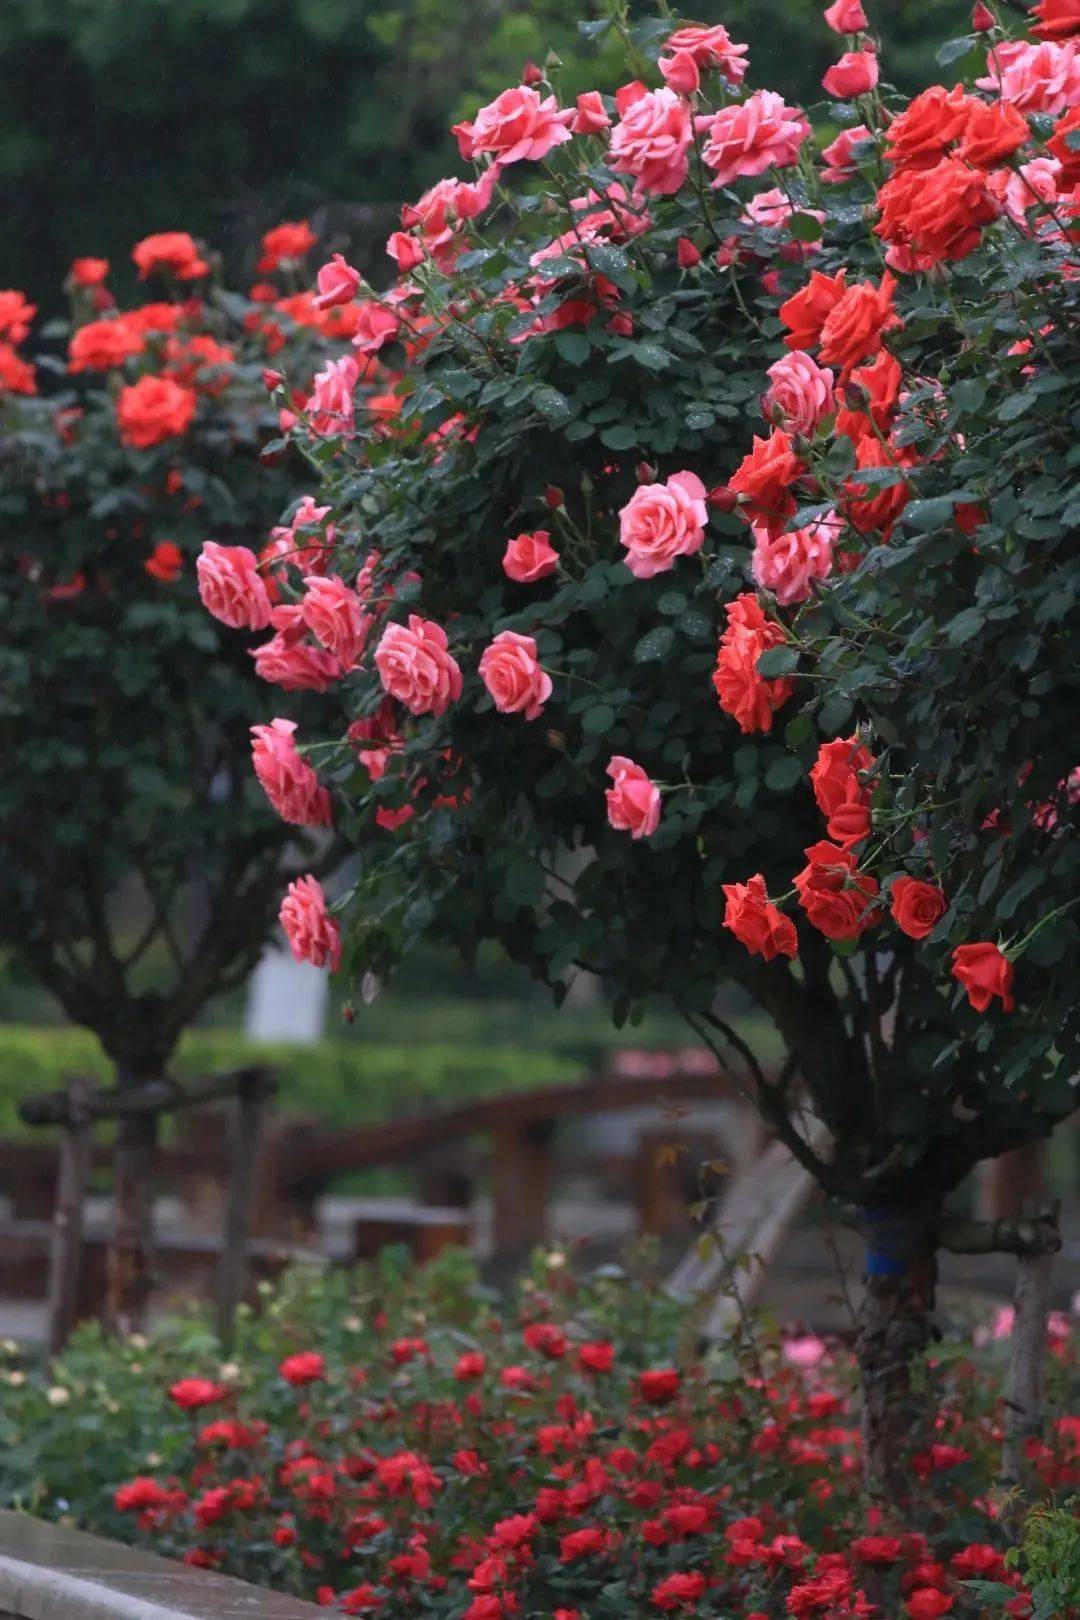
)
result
[(573, 347), (550, 402), (598, 719), (1015, 406), (930, 514), (804, 227), (657, 644), (953, 49), (966, 624), (777, 661), (620, 437), (783, 774)]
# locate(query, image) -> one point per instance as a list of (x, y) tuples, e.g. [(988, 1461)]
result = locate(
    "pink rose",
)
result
[(633, 801), (710, 47), (334, 615), (286, 660), (661, 522), (839, 158), (855, 74), (1035, 78), (787, 563), (513, 677), (651, 141), (415, 667), (231, 587), (331, 407), (772, 209), (312, 933), (591, 116), (338, 283), (440, 215), (529, 557), (405, 251), (847, 17), (680, 73), (800, 393), (1017, 192), (519, 124), (754, 135), (288, 781), (375, 326)]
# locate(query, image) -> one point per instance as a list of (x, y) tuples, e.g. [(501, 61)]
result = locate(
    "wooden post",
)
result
[(521, 1176), (1024, 1389), (66, 1241), (243, 1171), (130, 1264)]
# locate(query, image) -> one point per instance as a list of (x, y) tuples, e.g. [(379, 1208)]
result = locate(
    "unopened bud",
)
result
[(722, 499), (348, 1013), (982, 18), (271, 380), (688, 255), (644, 473), (531, 74), (554, 498)]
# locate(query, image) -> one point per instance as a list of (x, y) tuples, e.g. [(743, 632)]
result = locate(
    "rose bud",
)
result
[(722, 499), (348, 1014), (531, 74), (622, 325), (687, 254), (982, 18), (272, 380), (644, 473), (554, 498)]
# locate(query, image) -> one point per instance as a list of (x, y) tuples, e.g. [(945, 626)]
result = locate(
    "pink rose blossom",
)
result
[(839, 157), (807, 1351), (519, 124), (1036, 182), (530, 557), (855, 74), (286, 660), (748, 138), (375, 326), (786, 564), (633, 801), (651, 141), (416, 668), (334, 615), (288, 780), (514, 679), (405, 251), (846, 17), (332, 407), (661, 522), (231, 587), (710, 47), (338, 283), (1035, 78), (439, 216), (772, 209), (800, 393), (312, 933), (680, 73), (591, 116)]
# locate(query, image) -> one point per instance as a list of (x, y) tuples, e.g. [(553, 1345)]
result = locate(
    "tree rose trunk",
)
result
[(130, 1260), (895, 1327)]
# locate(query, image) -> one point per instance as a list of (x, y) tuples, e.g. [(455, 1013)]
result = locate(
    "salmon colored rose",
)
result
[(764, 479), (838, 899), (787, 564), (288, 780), (917, 907), (590, 115), (800, 394), (1058, 19), (741, 691), (711, 47), (855, 74), (337, 282), (416, 668), (846, 17), (756, 922), (854, 327), (152, 410), (984, 972), (920, 136), (994, 131), (313, 936), (633, 800), (841, 157), (662, 522), (101, 345), (334, 614), (513, 676), (939, 213), (171, 252), (839, 794), (805, 312)]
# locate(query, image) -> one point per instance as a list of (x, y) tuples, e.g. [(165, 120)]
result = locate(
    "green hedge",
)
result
[(339, 1082)]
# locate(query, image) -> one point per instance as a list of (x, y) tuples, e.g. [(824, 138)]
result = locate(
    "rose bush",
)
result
[(392, 1443), (587, 347)]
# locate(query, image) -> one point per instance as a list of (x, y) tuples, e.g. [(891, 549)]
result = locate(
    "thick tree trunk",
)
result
[(130, 1262), (895, 1328), (1024, 1394)]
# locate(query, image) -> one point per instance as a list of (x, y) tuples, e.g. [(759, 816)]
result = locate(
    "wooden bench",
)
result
[(48, 1572)]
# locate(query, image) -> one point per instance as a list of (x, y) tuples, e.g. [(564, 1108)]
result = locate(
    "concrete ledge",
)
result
[(50, 1573)]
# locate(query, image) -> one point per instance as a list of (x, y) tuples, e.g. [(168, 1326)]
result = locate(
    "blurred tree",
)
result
[(221, 116)]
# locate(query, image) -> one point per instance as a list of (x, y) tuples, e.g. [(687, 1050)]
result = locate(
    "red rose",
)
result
[(742, 692), (658, 1385), (936, 213), (840, 796), (805, 312), (1058, 19), (917, 907), (876, 506), (764, 479), (470, 1365), (165, 562), (596, 1356), (307, 1367), (985, 973), (152, 410), (679, 1590), (920, 136), (854, 327), (837, 898), (191, 1393), (756, 922), (1058, 147), (994, 132)]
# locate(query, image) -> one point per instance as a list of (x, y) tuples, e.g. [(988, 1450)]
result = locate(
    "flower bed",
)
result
[(393, 1443)]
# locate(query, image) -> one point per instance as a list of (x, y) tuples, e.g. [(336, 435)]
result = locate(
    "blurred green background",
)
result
[(121, 117)]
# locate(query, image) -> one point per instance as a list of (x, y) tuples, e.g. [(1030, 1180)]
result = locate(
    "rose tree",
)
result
[(718, 579), (142, 865)]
